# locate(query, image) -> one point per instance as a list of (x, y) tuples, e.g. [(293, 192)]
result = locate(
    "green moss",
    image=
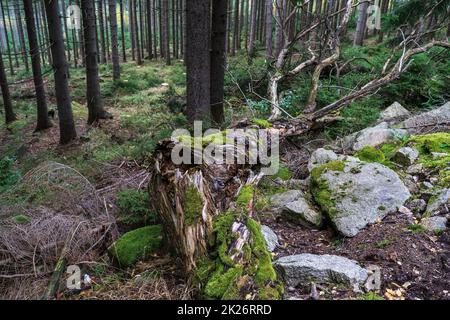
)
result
[(192, 205), (262, 123), (134, 207), (245, 196), (320, 189), (370, 296), (21, 219), (436, 142), (223, 284), (371, 154), (136, 245), (283, 173), (416, 228)]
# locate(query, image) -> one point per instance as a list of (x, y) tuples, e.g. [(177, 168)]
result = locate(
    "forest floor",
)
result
[(115, 156)]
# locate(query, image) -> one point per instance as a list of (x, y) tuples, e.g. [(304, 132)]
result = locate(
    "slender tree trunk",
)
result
[(66, 30), (114, 41), (66, 123), (278, 27), (81, 39), (21, 36), (38, 13), (101, 25), (136, 33), (94, 101), (122, 31), (166, 30), (132, 29), (155, 30), (7, 103), (252, 37), (149, 29), (16, 56), (107, 28), (235, 26), (361, 24), (218, 58), (198, 61), (8, 46), (269, 39), (43, 121)]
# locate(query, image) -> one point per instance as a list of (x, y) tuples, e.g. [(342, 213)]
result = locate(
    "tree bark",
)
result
[(198, 61), (21, 36), (43, 121), (114, 41), (101, 26), (166, 30), (149, 29), (218, 58), (269, 38), (361, 24), (7, 103), (8, 46), (122, 32), (94, 100), (252, 36), (66, 123)]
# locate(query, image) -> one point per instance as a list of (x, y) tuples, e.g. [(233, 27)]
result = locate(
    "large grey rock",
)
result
[(374, 137), (302, 269), (434, 224), (436, 117), (394, 112), (279, 200), (301, 211), (406, 156), (439, 204), (359, 195), (270, 237)]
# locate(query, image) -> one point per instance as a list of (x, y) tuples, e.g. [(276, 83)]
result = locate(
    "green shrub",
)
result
[(134, 207), (8, 176)]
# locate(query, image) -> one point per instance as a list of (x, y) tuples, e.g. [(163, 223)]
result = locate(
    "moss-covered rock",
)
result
[(436, 142), (135, 245), (371, 154), (262, 123)]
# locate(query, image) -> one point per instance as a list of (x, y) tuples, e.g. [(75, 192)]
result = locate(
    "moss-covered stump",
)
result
[(207, 216), (136, 245)]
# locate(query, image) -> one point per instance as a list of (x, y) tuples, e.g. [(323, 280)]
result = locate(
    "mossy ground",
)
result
[(135, 245)]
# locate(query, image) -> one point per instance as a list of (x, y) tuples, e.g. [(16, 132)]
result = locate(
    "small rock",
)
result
[(281, 199), (404, 210), (406, 156), (439, 204), (417, 206), (303, 212), (426, 185), (320, 157), (302, 269), (270, 237), (434, 224), (410, 183), (435, 117), (394, 112), (374, 136), (415, 169), (439, 155)]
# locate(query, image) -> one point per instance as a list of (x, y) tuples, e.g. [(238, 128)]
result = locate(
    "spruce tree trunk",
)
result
[(122, 32), (236, 26), (149, 29), (198, 61), (252, 36), (43, 121), (269, 39), (165, 30), (114, 41), (7, 103), (361, 24), (101, 25), (21, 36), (66, 123), (94, 101), (218, 58), (8, 46), (278, 27), (16, 56)]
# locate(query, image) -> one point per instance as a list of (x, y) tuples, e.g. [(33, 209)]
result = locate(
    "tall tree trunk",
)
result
[(94, 100), (236, 26), (8, 46), (46, 38), (101, 25), (43, 121), (16, 56), (122, 32), (198, 61), (361, 24), (278, 27), (252, 37), (114, 41), (137, 33), (269, 40), (166, 30), (81, 39), (155, 30), (66, 123), (218, 58), (107, 28), (149, 29), (21, 36), (7, 103), (66, 30)]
